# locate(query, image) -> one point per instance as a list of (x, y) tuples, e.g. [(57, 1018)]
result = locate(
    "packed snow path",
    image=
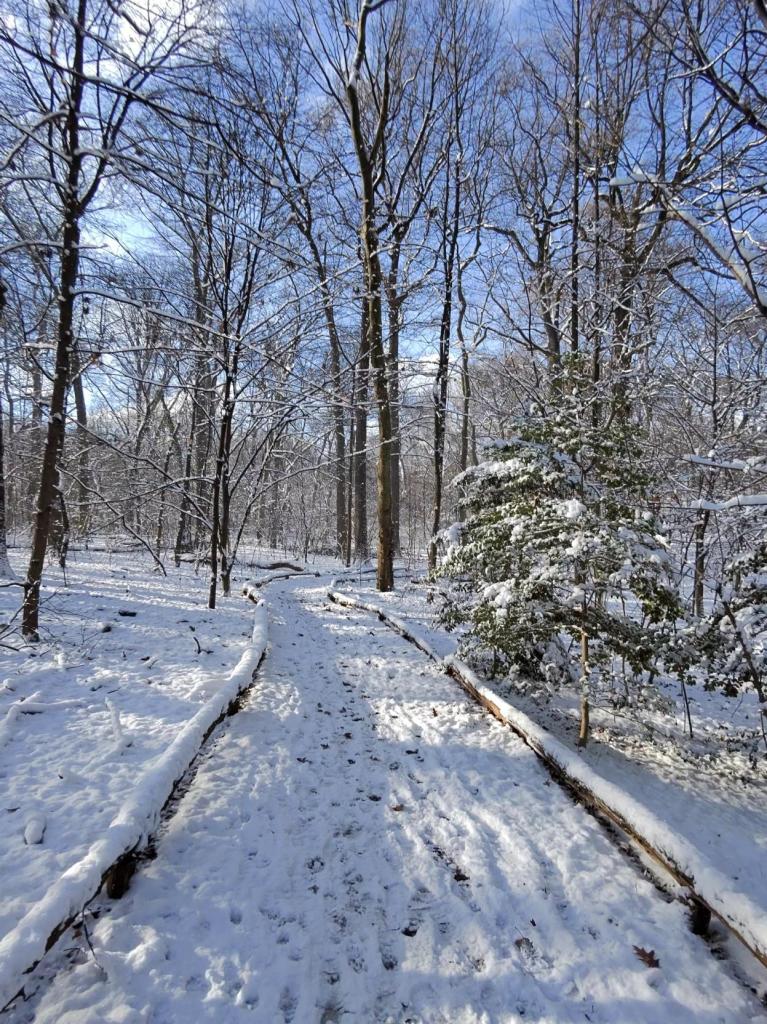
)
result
[(364, 844)]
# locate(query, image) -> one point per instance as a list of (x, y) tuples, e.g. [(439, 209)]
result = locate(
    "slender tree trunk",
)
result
[(215, 517), (366, 160), (227, 561), (449, 247), (159, 536), (700, 562), (339, 428), (394, 307), (465, 377), (576, 198), (596, 355), (203, 441), (5, 566), (219, 526), (70, 261), (59, 534), (361, 549), (385, 560), (351, 471), (548, 306), (81, 414), (583, 733), (183, 534)]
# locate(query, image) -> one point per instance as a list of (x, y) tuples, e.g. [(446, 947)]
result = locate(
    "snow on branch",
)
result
[(743, 465), (738, 501)]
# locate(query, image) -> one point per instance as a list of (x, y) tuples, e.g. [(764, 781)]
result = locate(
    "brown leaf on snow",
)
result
[(647, 956), (398, 807)]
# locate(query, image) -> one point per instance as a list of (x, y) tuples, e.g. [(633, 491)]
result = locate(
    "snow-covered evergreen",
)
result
[(560, 567)]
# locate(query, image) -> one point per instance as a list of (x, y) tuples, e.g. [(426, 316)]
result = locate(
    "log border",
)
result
[(116, 878), (701, 909)]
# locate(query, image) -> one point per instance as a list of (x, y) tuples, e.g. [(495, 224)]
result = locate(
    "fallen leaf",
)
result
[(647, 956)]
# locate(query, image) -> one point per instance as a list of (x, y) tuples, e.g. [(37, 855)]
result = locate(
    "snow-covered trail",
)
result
[(364, 844)]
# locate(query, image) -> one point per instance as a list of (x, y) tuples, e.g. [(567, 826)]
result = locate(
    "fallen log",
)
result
[(112, 859), (251, 588), (276, 565), (704, 883)]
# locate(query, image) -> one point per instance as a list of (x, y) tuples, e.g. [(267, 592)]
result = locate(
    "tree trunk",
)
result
[(465, 377), (576, 197), (583, 734), (70, 261), (394, 306), (361, 550), (449, 247), (339, 428), (81, 414), (700, 562), (6, 572), (366, 160), (159, 536), (184, 534), (350, 472), (227, 561), (203, 441), (219, 523)]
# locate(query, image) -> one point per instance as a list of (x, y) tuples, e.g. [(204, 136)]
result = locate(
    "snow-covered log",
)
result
[(252, 587), (112, 858), (706, 884)]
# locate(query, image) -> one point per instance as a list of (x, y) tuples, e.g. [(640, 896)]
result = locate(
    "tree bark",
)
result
[(583, 733), (449, 248), (5, 566), (366, 159), (339, 427), (576, 197), (81, 414), (361, 549), (700, 562), (394, 306), (69, 266)]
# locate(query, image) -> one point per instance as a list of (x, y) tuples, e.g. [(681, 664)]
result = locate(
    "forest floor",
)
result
[(360, 843)]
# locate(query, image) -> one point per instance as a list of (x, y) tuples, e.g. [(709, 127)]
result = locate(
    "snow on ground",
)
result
[(113, 690), (363, 843), (708, 790)]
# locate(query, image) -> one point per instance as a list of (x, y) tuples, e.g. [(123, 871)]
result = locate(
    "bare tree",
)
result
[(56, 61)]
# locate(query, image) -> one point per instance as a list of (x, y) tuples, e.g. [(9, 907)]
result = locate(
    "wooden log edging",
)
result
[(706, 886), (250, 588), (112, 859)]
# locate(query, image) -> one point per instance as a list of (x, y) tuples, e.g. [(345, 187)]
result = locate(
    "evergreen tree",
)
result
[(558, 548), (733, 637)]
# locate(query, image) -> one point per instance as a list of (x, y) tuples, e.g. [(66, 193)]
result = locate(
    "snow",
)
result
[(717, 839), (72, 765), (363, 843), (574, 509), (737, 501), (755, 464), (34, 830)]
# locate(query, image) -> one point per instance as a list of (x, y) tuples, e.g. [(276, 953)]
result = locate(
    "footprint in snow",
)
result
[(332, 1013), (355, 959), (388, 959), (288, 1005)]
